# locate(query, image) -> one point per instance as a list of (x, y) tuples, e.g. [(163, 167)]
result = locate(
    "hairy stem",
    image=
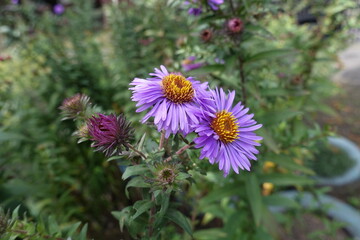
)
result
[(162, 139), (180, 151), (135, 150)]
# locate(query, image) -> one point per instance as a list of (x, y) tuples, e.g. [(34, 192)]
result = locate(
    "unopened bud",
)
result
[(82, 133), (206, 35), (74, 106), (166, 175), (235, 25)]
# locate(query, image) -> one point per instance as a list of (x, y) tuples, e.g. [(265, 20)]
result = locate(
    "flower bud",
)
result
[(82, 133), (109, 133), (235, 25), (74, 106), (166, 173), (206, 35)]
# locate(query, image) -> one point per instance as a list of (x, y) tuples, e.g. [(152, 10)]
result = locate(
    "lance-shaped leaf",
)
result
[(178, 218)]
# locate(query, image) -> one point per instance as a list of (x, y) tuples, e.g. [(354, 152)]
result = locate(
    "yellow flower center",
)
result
[(177, 88), (224, 124)]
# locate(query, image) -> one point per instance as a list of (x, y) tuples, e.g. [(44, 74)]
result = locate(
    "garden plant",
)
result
[(163, 119)]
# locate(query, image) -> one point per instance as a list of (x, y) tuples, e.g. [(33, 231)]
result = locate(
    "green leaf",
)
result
[(141, 142), (15, 213), (325, 108), (164, 198), (182, 176), (299, 130), (208, 69), (280, 179), (288, 163), (210, 18), (269, 54), (335, 9), (121, 160), (7, 136), (178, 218), (134, 170), (274, 92), (83, 232), (53, 226), (114, 158), (277, 116), (218, 194), (122, 216), (268, 140), (278, 200), (259, 30), (141, 207), (254, 197), (72, 229), (136, 182), (209, 234)]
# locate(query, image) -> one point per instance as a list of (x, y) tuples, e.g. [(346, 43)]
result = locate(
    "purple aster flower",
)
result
[(214, 4), (188, 64), (171, 97), (59, 9), (225, 133), (109, 133), (195, 11), (75, 106), (15, 1)]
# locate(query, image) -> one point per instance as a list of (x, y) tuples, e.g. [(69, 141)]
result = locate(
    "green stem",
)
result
[(151, 217), (242, 80)]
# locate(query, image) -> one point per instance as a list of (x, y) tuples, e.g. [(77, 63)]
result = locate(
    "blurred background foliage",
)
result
[(98, 47)]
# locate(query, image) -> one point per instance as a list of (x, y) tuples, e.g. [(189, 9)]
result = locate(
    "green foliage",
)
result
[(13, 226), (279, 69)]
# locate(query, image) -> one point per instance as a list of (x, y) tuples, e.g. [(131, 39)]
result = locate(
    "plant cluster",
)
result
[(154, 182)]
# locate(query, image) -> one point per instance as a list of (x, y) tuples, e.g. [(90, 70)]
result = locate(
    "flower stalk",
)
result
[(180, 151), (135, 150)]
